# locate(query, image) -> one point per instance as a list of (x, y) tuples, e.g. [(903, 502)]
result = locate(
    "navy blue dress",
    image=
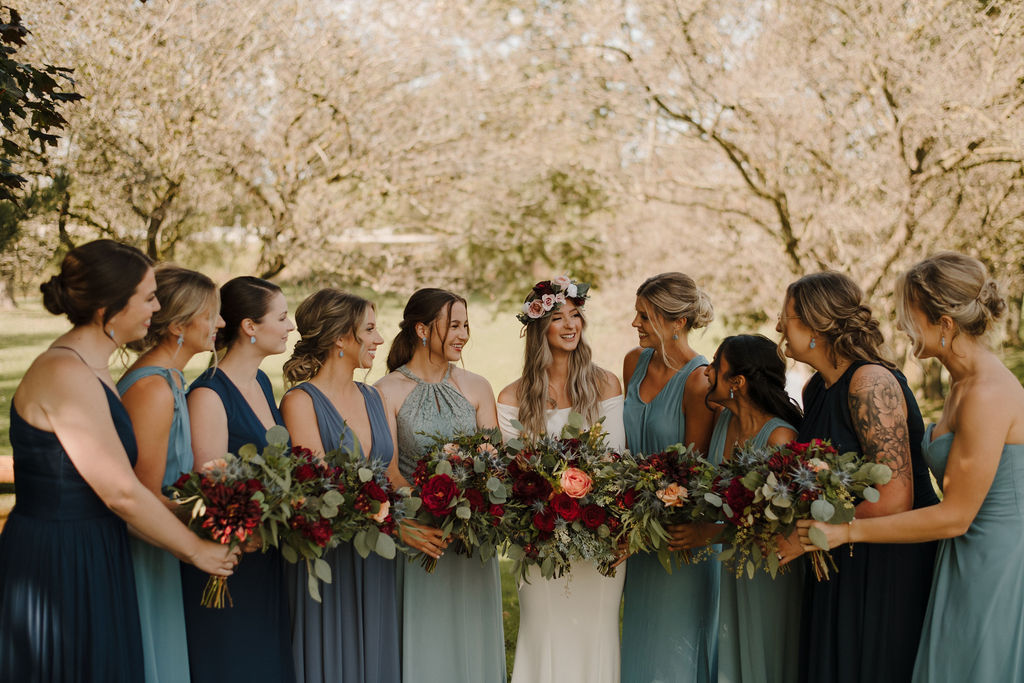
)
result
[(68, 610), (250, 641), (863, 624)]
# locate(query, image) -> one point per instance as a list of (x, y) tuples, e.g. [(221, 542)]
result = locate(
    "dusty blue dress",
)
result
[(759, 618), (68, 611), (451, 619), (250, 641), (157, 574), (670, 621), (974, 627), (352, 636)]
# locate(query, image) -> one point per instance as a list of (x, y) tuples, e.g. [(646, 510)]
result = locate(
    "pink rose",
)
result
[(562, 282), (486, 449), (575, 483), (450, 449), (548, 301), (382, 513), (560, 299), (817, 464), (673, 495), (534, 309)]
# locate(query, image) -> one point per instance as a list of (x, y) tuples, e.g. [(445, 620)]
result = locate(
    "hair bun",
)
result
[(992, 299), (53, 295), (704, 312)]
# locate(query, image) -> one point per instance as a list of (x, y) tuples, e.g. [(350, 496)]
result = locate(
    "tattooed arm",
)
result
[(879, 414)]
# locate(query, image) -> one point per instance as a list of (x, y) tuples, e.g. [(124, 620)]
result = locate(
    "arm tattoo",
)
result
[(879, 417)]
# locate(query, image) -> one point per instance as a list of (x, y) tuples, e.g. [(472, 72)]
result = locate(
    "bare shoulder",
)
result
[(610, 384), (781, 436), (472, 383), (394, 388), (152, 390), (995, 399), (296, 400), (510, 395), (629, 363), (872, 375)]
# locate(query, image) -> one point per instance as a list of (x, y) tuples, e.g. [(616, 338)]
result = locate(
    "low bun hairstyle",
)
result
[(832, 305), (323, 318), (424, 306), (183, 294), (241, 298), (754, 357), (675, 296), (102, 274), (953, 285)]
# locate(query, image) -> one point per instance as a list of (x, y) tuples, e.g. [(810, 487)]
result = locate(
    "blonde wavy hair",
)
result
[(323, 318), (674, 296), (183, 294)]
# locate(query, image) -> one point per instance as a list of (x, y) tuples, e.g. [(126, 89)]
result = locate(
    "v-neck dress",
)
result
[(251, 640)]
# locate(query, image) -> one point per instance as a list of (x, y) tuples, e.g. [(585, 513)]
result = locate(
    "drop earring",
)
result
[(252, 339), (341, 353), (423, 341), (942, 341), (731, 395), (813, 343), (675, 336), (181, 339)]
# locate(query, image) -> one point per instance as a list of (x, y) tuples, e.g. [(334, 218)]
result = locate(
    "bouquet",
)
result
[(560, 508), (461, 483), (760, 493), (655, 491)]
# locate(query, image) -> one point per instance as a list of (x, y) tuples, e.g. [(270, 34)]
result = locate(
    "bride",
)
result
[(568, 627)]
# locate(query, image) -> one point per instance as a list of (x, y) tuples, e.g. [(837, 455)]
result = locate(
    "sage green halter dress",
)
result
[(451, 622), (758, 618)]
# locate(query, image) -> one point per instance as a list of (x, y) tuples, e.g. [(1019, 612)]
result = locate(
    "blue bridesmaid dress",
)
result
[(758, 618), (68, 611), (250, 641), (670, 621), (352, 636), (157, 574), (974, 626)]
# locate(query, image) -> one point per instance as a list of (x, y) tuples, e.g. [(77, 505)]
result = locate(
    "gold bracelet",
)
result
[(849, 535)]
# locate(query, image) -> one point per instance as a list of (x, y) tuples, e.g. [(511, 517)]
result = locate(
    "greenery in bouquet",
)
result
[(559, 511), (759, 494), (461, 483), (653, 492)]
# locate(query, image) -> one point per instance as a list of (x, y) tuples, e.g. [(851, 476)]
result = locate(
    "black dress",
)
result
[(68, 611), (863, 624), (250, 642)]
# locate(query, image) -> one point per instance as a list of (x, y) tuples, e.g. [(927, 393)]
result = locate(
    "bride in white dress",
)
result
[(568, 627)]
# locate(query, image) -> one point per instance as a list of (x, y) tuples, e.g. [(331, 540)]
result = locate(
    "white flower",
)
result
[(570, 291), (562, 282)]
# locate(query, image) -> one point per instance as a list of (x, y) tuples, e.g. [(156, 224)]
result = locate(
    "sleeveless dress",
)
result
[(157, 575), (569, 627), (352, 636), (250, 641), (68, 611), (451, 618), (670, 621), (863, 624), (974, 627), (759, 618)]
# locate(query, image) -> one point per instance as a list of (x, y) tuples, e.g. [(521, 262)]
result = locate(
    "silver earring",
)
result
[(675, 336), (252, 339), (341, 353), (813, 344), (942, 341), (181, 339), (423, 340), (731, 394)]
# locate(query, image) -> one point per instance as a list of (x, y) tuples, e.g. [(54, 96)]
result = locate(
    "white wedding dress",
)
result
[(569, 627)]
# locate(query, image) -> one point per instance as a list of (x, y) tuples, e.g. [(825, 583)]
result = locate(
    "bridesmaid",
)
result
[(862, 624), (974, 627), (229, 406), (759, 618), (352, 635), (451, 619), (68, 610), (153, 393), (568, 627), (670, 622)]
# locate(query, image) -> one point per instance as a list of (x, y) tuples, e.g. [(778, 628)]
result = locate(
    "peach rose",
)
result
[(575, 483), (487, 449), (450, 449), (673, 495), (817, 464)]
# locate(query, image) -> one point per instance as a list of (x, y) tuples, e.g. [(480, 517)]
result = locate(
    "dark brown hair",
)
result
[(241, 298), (424, 306)]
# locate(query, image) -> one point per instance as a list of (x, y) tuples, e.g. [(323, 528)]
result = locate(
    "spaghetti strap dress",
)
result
[(669, 621), (250, 641), (451, 619), (758, 618), (68, 611), (974, 627), (157, 574), (352, 635), (863, 624)]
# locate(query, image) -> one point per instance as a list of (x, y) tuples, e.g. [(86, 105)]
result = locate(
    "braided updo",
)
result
[(323, 318)]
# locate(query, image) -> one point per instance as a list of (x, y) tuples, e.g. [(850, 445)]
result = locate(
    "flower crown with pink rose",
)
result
[(549, 295)]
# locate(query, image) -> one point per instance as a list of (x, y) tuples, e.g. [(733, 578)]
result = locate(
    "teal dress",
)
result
[(759, 618), (351, 636), (974, 626), (670, 621), (451, 618), (157, 574)]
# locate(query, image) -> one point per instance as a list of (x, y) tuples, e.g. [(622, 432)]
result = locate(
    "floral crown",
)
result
[(549, 295)]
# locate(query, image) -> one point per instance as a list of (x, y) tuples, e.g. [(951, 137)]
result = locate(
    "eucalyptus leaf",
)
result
[(334, 498), (314, 588), (385, 547), (479, 465), (443, 467), (248, 450), (870, 494), (818, 537), (713, 499), (322, 570), (277, 436), (289, 554), (463, 512), (822, 510), (365, 474)]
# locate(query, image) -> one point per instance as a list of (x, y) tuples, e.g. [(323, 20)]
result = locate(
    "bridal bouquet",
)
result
[(655, 491), (759, 494), (461, 483), (560, 508)]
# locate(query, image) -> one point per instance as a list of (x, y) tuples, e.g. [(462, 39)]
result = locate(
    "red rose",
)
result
[(438, 493), (254, 485), (422, 473), (566, 507), (302, 453), (182, 480), (374, 491), (497, 512), (320, 533), (593, 516), (627, 499), (305, 472), (531, 486), (545, 521), (475, 500), (738, 497)]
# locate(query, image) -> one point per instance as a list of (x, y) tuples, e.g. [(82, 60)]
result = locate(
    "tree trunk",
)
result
[(931, 381), (1013, 315), (7, 302)]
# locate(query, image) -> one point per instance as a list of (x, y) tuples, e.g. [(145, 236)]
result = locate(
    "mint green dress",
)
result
[(758, 618), (670, 621), (974, 626), (451, 626), (157, 572)]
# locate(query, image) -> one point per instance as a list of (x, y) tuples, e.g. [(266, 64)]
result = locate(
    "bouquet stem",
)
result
[(215, 592), (821, 560), (428, 563)]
